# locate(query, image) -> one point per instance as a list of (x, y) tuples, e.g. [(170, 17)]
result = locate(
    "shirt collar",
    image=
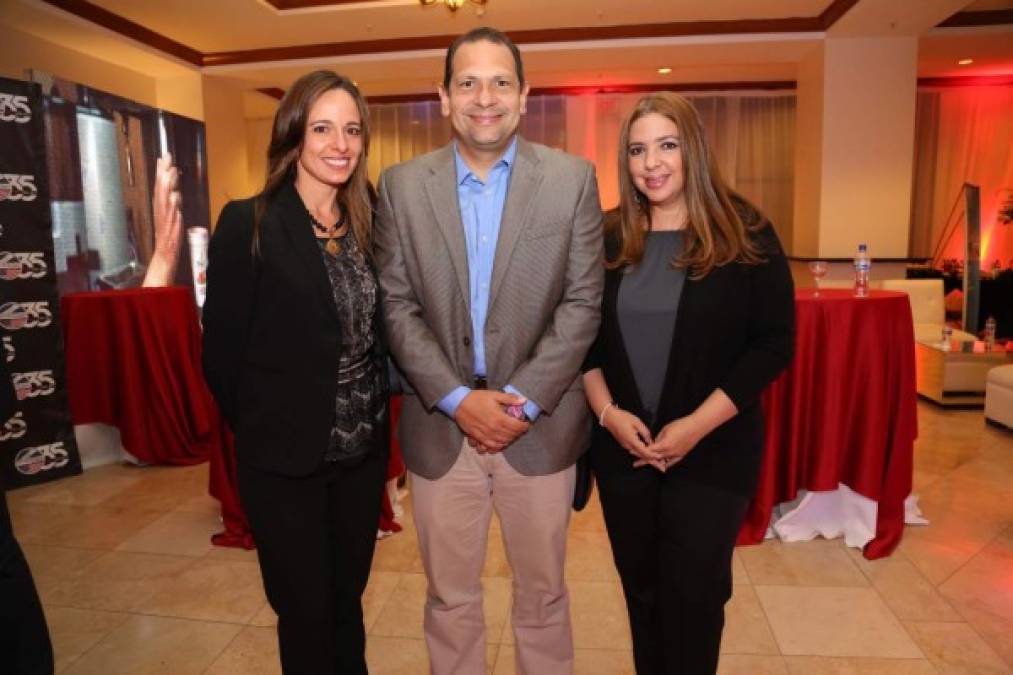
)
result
[(507, 160)]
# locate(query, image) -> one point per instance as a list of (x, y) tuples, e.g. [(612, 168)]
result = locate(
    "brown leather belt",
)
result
[(479, 383)]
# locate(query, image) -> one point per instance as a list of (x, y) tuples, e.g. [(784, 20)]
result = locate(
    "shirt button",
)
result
[(467, 341)]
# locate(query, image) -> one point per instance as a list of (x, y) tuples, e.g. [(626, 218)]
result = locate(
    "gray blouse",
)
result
[(359, 404), (648, 301)]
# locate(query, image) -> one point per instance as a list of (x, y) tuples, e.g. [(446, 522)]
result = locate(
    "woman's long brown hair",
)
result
[(716, 233), (287, 135)]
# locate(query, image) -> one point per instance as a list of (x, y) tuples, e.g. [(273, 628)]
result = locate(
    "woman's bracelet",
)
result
[(601, 416)]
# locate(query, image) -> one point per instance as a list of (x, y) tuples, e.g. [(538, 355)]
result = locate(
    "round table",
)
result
[(844, 413)]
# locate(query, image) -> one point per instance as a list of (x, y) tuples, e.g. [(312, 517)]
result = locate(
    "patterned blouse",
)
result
[(359, 406)]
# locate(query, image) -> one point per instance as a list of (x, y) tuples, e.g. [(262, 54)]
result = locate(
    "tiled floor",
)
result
[(132, 585)]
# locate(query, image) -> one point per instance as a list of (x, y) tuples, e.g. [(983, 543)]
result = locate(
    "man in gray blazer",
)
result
[(490, 260)]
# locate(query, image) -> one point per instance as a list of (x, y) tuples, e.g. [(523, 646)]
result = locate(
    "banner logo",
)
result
[(31, 461), (22, 265), (17, 315), (14, 108), (15, 427), (17, 188), (33, 384), (8, 342)]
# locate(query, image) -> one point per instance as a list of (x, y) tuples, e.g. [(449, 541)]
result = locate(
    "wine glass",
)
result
[(817, 268)]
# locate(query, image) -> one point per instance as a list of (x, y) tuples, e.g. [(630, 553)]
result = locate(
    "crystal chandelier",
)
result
[(453, 5)]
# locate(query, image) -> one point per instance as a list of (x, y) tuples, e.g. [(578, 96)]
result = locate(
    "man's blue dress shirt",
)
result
[(481, 212)]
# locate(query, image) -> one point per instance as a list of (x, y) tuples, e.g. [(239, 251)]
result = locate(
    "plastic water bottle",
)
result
[(863, 265), (990, 333)]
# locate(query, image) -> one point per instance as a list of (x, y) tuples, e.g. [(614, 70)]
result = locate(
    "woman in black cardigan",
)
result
[(697, 318), (294, 357)]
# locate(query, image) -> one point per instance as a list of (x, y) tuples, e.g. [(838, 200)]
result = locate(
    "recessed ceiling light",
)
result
[(965, 62), (664, 71)]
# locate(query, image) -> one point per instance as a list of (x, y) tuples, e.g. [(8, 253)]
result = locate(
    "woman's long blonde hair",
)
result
[(287, 135), (716, 232)]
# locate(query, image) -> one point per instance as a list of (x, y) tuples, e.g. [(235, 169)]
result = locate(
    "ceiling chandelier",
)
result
[(453, 5)]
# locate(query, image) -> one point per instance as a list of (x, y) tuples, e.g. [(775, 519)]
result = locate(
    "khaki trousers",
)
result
[(452, 516)]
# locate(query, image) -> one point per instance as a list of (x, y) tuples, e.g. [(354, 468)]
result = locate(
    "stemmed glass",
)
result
[(817, 268)]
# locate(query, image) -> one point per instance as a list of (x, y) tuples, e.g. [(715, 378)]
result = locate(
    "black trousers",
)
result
[(672, 540), (24, 639), (315, 538)]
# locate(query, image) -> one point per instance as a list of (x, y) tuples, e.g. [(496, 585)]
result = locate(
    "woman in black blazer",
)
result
[(697, 318), (294, 357)]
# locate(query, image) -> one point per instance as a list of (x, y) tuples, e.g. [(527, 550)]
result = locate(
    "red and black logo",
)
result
[(18, 315), (39, 458), (15, 427), (16, 187), (22, 265), (14, 108), (33, 384)]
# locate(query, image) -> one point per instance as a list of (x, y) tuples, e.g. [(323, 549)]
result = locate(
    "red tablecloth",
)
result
[(134, 362), (844, 412)]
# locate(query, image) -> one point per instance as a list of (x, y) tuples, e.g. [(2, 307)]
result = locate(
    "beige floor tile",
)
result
[(51, 565), (590, 518), (378, 591), (955, 648), (146, 645), (98, 528), (118, 581), (820, 621), (585, 662), (201, 504), (589, 557), (598, 612), (91, 488), (399, 553), (163, 488), (75, 631), (982, 591), (231, 554), (738, 664), (403, 613), (819, 562), (396, 656), (265, 617), (904, 589), (825, 665), (176, 533), (496, 562), (739, 574), (746, 628), (210, 590), (253, 652)]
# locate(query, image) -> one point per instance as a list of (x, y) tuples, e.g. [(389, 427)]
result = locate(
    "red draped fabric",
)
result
[(395, 467), (844, 412), (133, 362)]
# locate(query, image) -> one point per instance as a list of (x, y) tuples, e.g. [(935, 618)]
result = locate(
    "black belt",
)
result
[(479, 382)]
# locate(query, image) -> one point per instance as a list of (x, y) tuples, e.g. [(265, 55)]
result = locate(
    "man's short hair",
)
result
[(482, 34)]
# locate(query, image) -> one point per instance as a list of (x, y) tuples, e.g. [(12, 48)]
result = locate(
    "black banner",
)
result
[(36, 444)]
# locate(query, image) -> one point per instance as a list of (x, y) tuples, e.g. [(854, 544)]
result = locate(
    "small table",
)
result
[(842, 419), (955, 376)]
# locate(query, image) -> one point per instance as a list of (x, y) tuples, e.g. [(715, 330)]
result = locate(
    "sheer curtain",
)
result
[(962, 134), (752, 134)]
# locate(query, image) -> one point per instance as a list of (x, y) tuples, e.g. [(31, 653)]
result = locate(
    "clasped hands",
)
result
[(674, 441), (483, 418)]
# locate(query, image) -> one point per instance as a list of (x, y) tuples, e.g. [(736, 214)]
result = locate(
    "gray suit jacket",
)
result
[(544, 304)]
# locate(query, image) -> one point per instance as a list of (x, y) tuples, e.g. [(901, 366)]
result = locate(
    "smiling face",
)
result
[(654, 155), (485, 99), (332, 142)]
